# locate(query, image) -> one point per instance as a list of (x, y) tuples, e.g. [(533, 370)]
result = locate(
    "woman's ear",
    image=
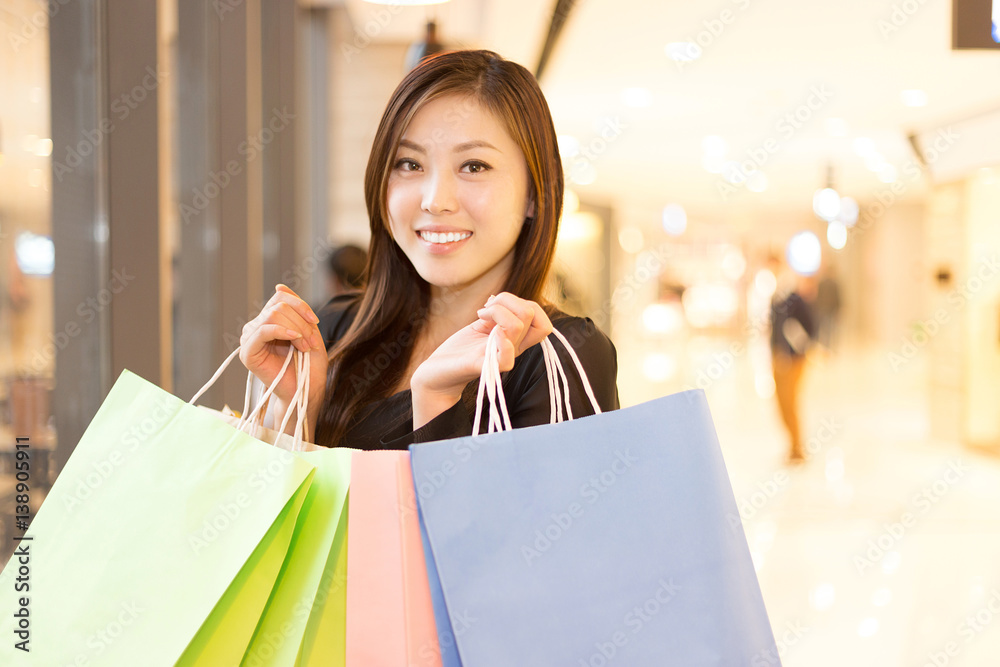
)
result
[(529, 210)]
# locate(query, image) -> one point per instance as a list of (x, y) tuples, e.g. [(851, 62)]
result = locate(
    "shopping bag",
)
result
[(448, 650), (225, 634), (389, 614), (603, 540), (280, 635), (146, 530), (307, 593), (422, 640), (324, 639)]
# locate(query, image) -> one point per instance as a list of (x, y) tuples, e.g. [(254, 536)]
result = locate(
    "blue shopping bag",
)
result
[(607, 540)]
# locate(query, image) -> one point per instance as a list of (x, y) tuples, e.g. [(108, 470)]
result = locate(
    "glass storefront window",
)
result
[(27, 363)]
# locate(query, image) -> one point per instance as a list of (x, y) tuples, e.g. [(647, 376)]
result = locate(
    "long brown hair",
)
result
[(369, 361)]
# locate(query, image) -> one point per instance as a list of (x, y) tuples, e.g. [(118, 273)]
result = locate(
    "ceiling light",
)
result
[(714, 145), (637, 97), (863, 146), (913, 98), (804, 253), (848, 211), (836, 235), (674, 219), (826, 204)]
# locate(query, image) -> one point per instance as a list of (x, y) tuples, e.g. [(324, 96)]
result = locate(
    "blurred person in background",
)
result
[(345, 270), (827, 307), (793, 327)]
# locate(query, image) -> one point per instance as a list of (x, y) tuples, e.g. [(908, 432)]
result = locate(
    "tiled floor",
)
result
[(882, 550)]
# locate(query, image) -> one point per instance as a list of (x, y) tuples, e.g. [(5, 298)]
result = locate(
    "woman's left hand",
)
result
[(437, 383)]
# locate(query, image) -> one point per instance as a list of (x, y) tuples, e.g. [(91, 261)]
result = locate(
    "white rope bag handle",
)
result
[(252, 420), (491, 387)]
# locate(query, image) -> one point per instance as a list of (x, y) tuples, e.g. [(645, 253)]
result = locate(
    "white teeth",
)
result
[(449, 237)]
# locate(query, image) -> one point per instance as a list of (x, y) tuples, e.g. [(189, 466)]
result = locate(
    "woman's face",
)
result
[(458, 195)]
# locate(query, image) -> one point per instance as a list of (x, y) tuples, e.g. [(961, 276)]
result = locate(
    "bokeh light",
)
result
[(804, 253)]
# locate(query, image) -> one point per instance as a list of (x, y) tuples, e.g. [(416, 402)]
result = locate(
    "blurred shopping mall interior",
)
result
[(165, 163)]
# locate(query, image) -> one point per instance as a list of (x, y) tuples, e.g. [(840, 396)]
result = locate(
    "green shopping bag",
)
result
[(223, 638), (279, 638), (323, 645), (149, 538), (304, 619)]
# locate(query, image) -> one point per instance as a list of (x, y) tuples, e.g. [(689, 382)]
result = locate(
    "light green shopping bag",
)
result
[(280, 635), (323, 645), (225, 635), (148, 527)]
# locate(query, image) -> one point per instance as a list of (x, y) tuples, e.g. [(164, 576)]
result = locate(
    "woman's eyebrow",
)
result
[(460, 148), (406, 143), (478, 143)]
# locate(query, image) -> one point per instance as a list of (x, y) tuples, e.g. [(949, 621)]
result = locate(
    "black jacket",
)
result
[(388, 423)]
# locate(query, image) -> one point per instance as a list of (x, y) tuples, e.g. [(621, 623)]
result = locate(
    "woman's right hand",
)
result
[(285, 320)]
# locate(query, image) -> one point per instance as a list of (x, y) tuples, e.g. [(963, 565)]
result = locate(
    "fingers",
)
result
[(523, 322), (284, 294), (284, 316), (540, 328), (513, 327)]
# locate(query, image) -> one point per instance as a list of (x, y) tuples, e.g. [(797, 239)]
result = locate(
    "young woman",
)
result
[(464, 190)]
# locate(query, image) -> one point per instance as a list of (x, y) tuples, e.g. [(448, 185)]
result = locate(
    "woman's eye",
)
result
[(476, 167), (406, 164)]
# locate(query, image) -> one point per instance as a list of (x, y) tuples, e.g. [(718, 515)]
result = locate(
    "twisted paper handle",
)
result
[(491, 387), (251, 420)]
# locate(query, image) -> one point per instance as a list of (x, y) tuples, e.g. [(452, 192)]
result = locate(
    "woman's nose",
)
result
[(439, 195)]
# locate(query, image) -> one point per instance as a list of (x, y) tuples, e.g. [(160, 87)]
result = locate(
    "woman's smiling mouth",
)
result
[(442, 238)]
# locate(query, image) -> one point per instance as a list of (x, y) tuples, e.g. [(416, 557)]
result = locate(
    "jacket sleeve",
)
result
[(336, 317)]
